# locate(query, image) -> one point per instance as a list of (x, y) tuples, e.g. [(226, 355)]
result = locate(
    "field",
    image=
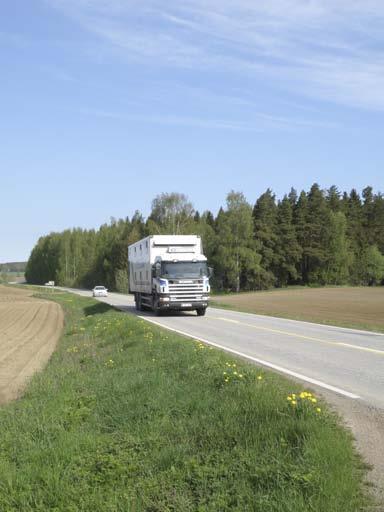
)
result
[(130, 417), (361, 308), (29, 330)]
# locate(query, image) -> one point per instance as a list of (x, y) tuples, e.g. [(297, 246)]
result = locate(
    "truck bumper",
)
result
[(183, 306)]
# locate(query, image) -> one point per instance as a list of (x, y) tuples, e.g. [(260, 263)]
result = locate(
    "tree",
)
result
[(372, 266), (333, 199), (265, 226), (172, 213), (317, 236), (237, 262), (339, 256), (287, 249), (300, 218)]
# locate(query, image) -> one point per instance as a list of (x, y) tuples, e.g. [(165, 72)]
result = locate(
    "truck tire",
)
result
[(155, 307), (201, 311), (138, 305)]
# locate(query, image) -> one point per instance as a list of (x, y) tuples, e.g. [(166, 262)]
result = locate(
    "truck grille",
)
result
[(186, 292)]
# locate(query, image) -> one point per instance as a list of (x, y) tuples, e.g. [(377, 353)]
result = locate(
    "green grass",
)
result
[(130, 417)]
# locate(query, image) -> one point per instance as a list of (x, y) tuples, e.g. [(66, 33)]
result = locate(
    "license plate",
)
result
[(184, 305)]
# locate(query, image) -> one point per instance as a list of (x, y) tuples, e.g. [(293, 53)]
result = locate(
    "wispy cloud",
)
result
[(261, 122), (324, 49)]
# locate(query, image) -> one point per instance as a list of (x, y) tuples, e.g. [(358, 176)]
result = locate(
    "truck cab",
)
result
[(182, 285)]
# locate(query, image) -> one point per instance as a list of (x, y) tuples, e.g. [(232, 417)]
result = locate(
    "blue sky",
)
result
[(106, 103)]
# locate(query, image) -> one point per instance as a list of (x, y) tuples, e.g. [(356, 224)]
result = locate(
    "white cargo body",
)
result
[(169, 272)]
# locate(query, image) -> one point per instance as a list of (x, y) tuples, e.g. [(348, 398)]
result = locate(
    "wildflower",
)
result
[(110, 363), (313, 400), (289, 398), (318, 409), (240, 375), (294, 402), (259, 377)]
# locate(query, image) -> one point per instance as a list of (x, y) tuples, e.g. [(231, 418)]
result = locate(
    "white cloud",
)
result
[(328, 50)]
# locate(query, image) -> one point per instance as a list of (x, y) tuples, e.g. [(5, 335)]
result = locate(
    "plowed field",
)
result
[(348, 306), (29, 330)]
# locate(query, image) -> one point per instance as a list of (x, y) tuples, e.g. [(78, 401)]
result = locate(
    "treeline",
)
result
[(14, 266), (313, 238)]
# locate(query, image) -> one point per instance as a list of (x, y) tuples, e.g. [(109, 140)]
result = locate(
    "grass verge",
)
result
[(131, 417)]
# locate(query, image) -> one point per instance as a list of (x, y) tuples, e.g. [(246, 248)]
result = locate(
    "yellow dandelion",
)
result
[(318, 409), (259, 377)]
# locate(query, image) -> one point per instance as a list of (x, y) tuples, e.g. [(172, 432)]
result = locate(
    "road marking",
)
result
[(302, 336), (259, 361), (359, 347)]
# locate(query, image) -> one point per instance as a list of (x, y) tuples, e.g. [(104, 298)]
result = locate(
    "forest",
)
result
[(315, 238)]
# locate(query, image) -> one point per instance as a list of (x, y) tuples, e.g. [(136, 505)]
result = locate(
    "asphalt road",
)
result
[(344, 361)]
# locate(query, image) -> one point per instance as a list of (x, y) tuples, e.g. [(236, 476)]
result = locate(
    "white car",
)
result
[(100, 291)]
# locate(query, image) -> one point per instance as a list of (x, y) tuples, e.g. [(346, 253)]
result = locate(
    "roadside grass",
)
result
[(130, 417), (342, 306)]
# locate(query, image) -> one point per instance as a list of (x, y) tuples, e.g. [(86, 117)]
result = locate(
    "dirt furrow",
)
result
[(29, 331)]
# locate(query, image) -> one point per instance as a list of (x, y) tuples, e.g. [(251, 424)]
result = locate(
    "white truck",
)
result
[(169, 272)]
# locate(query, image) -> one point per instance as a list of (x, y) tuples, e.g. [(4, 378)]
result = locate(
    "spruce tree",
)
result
[(287, 249), (265, 226)]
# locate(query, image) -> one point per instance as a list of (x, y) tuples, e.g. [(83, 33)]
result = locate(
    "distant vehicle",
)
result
[(169, 272), (50, 283), (100, 291)]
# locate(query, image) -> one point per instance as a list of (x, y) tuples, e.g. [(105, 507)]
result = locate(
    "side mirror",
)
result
[(157, 269), (210, 272)]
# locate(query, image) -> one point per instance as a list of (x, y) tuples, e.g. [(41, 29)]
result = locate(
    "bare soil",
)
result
[(359, 307), (29, 331)]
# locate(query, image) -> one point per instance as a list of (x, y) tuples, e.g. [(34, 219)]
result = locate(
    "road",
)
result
[(344, 361)]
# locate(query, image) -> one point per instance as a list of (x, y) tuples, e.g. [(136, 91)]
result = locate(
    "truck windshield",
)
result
[(184, 269)]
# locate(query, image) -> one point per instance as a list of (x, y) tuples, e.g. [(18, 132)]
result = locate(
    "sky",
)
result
[(106, 103)]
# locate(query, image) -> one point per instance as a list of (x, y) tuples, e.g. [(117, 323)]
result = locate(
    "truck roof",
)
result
[(171, 240)]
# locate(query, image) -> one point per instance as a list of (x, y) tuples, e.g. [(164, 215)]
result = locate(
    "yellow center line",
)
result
[(359, 347), (301, 336)]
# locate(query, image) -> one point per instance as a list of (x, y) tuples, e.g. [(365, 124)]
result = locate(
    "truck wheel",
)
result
[(156, 308), (201, 311), (138, 302)]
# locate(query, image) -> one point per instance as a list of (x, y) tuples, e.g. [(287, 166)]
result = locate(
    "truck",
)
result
[(169, 272)]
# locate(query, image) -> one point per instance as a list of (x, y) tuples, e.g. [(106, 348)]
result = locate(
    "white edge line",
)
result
[(260, 361)]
